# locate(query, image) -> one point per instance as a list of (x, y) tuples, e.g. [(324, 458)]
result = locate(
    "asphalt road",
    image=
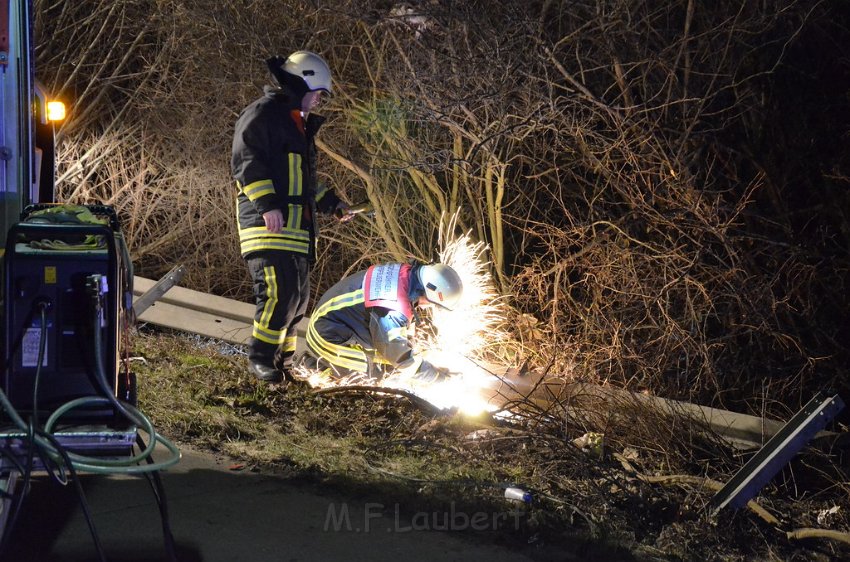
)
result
[(219, 514)]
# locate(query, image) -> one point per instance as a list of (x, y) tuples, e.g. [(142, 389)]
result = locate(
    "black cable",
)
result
[(16, 345), (42, 344), (54, 469), (32, 431), (155, 482), (100, 371), (80, 493), (15, 509), (29, 442), (9, 455)]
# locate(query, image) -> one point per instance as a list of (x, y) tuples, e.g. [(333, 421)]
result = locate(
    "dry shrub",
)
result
[(603, 150), (654, 263)]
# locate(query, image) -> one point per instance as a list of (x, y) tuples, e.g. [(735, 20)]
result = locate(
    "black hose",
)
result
[(153, 478)]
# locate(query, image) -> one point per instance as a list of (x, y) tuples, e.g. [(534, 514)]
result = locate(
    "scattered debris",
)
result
[(592, 443), (826, 516)]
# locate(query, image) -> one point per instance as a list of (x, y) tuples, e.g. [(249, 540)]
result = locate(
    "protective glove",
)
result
[(429, 373), (343, 212)]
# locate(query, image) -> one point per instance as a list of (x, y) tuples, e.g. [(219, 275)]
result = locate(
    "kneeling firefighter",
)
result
[(360, 325)]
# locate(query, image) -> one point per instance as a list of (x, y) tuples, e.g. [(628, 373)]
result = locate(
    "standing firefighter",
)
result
[(363, 320), (274, 164)]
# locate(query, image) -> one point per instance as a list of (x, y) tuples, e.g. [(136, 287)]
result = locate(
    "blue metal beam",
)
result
[(777, 452)]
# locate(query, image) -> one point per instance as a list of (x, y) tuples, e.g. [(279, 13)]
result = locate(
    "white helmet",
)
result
[(311, 68), (442, 284)]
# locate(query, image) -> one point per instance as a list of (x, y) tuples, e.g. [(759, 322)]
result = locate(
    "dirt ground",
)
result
[(222, 511), (588, 503)]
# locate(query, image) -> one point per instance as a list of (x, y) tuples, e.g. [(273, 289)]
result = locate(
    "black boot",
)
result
[(265, 373)]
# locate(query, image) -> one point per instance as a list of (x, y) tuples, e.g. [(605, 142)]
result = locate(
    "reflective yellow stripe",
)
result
[(335, 349), (288, 343), (294, 220), (286, 245), (263, 333), (340, 301), (343, 356), (295, 179), (257, 189), (296, 189), (258, 238), (261, 231), (339, 355), (280, 244), (322, 189), (270, 277)]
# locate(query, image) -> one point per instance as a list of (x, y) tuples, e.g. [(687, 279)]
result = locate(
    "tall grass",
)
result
[(604, 152)]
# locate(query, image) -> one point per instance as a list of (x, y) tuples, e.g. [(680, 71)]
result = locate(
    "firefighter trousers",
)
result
[(281, 293), (335, 346)]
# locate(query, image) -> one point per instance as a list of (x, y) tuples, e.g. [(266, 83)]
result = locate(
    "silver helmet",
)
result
[(442, 284), (311, 68)]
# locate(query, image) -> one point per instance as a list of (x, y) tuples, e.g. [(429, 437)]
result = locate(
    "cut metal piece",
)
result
[(777, 452), (162, 286)]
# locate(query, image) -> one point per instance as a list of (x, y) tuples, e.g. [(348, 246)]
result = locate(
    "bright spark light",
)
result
[(461, 391), (460, 337), (473, 325)]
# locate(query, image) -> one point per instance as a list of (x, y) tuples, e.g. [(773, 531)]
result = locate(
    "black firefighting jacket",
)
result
[(273, 161)]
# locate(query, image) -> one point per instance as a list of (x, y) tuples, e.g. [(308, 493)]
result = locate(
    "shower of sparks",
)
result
[(473, 325), (458, 340)]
